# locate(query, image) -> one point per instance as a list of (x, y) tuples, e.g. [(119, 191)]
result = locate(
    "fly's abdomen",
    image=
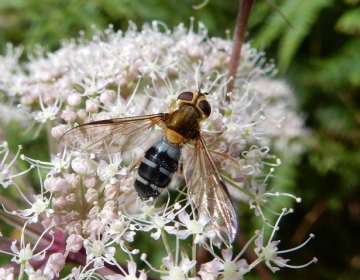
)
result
[(157, 168)]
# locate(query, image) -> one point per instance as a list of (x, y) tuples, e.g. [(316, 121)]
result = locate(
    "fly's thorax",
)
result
[(185, 121)]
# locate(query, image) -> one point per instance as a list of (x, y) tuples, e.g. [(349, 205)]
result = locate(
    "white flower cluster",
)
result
[(87, 213)]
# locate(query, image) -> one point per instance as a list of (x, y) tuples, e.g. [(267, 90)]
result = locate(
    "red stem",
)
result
[(239, 36)]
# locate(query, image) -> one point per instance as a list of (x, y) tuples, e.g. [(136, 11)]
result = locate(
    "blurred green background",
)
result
[(318, 54)]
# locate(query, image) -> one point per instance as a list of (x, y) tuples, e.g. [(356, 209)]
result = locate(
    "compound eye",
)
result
[(205, 107), (186, 95)]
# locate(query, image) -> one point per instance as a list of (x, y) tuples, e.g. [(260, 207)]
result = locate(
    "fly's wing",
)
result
[(209, 192), (110, 136)]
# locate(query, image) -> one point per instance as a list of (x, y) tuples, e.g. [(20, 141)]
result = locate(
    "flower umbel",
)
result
[(84, 211)]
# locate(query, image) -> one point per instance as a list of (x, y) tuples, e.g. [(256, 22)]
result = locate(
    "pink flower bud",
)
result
[(71, 198), (92, 105), (93, 213), (91, 195), (72, 216), (111, 191), (82, 114), (68, 115), (74, 243), (73, 180), (107, 96), (49, 184), (90, 181), (54, 265), (60, 184), (26, 100), (59, 203), (80, 166), (74, 227), (74, 99), (59, 130)]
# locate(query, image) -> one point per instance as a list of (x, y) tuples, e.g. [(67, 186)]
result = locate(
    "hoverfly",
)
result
[(181, 125)]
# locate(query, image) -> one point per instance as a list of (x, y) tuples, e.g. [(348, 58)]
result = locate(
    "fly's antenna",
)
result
[(202, 93)]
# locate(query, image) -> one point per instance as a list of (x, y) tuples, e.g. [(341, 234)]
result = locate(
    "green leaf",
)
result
[(302, 15), (342, 69), (349, 22), (303, 18)]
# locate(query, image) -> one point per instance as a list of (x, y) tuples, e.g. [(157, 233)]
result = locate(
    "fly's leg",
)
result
[(181, 167), (227, 156)]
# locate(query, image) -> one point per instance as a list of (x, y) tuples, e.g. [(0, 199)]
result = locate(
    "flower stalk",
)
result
[(242, 19)]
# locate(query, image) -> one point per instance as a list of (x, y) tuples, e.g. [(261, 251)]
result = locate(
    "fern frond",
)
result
[(260, 10), (303, 19), (274, 24), (339, 71), (302, 15)]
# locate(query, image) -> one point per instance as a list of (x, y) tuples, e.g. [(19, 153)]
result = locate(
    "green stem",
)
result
[(103, 185), (22, 269), (254, 263), (165, 240), (193, 256)]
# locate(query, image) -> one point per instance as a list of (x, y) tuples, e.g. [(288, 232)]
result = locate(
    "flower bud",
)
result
[(74, 227), (80, 166), (59, 203), (92, 105), (91, 195), (107, 96), (111, 191), (73, 180), (68, 115), (74, 99), (90, 181), (82, 114), (71, 198), (72, 216), (74, 243), (55, 264), (59, 130)]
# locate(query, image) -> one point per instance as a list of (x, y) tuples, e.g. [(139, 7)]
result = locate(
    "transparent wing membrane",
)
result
[(209, 192), (110, 136)]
